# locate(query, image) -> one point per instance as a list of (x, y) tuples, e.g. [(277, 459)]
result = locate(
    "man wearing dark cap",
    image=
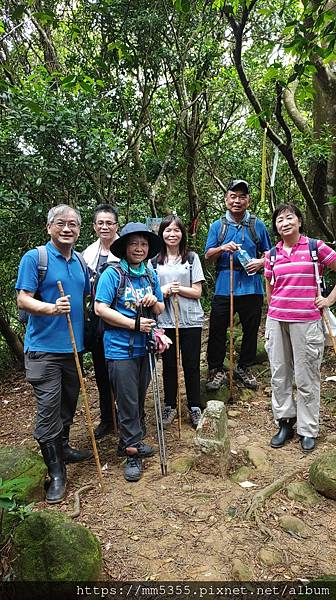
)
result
[(128, 296), (237, 229)]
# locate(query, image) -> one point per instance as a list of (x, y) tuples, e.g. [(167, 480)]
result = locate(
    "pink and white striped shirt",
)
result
[(294, 290)]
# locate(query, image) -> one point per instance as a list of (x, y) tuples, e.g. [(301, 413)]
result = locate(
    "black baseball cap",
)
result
[(238, 183)]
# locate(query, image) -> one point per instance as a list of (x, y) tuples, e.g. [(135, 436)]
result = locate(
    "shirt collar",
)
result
[(301, 242), (244, 220), (55, 251)]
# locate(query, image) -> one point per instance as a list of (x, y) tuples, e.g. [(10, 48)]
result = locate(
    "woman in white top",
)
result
[(105, 224), (180, 273)]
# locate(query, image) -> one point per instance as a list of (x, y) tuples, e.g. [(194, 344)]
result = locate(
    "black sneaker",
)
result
[(144, 451), (246, 377), (102, 430), (216, 379), (133, 467)]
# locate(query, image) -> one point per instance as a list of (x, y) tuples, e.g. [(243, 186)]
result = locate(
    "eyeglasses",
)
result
[(107, 223), (62, 224)]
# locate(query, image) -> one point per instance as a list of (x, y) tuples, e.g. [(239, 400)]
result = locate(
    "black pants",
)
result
[(130, 379), (102, 380), (249, 311), (190, 345)]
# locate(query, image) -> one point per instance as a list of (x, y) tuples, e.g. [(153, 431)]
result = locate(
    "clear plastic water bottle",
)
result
[(244, 259)]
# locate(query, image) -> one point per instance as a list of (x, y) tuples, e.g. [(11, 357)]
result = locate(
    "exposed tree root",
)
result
[(259, 498), (76, 511)]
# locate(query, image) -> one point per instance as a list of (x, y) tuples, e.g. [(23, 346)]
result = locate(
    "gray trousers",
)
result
[(130, 379), (56, 386), (295, 351)]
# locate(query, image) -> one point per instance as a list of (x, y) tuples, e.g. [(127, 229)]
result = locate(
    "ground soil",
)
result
[(192, 526)]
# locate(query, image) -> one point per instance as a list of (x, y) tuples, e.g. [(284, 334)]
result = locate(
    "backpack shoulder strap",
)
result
[(42, 265), (312, 244), (190, 259), (252, 228), (154, 262), (223, 230), (272, 258), (81, 260)]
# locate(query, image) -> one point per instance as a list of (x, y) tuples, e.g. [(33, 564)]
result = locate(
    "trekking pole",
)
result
[(231, 328), (84, 393), (324, 312), (157, 406), (177, 342)]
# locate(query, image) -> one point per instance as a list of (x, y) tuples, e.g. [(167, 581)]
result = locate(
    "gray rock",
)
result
[(241, 571), (212, 440), (322, 474), (256, 456), (270, 556), (301, 491), (292, 524), (49, 546)]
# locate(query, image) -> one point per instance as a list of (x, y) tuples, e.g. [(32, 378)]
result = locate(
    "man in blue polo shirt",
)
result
[(49, 360), (238, 229)]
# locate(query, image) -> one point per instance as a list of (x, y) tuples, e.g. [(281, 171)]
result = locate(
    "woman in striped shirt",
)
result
[(294, 335)]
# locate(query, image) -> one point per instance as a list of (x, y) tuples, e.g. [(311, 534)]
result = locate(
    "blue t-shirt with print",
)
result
[(117, 339), (239, 233), (51, 333)]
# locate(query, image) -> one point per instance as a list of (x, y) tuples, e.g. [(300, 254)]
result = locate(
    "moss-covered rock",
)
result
[(241, 474), (302, 491), (222, 395), (292, 524), (21, 462), (49, 546), (241, 571), (271, 556), (322, 474), (182, 464)]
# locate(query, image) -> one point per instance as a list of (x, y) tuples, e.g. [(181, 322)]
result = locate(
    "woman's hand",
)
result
[(170, 288), (322, 302), (149, 300), (146, 325)]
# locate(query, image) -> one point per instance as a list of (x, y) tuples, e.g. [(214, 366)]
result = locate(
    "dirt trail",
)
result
[(191, 526)]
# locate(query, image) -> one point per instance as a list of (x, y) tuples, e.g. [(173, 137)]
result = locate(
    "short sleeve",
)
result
[(28, 272), (197, 271)]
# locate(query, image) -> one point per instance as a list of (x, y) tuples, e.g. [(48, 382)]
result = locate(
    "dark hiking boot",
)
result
[(52, 452), (307, 443), (103, 429), (133, 467), (169, 415), (284, 434), (143, 450), (246, 377), (72, 455), (195, 416), (216, 378)]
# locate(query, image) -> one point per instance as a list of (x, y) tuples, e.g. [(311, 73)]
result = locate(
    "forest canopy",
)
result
[(154, 106)]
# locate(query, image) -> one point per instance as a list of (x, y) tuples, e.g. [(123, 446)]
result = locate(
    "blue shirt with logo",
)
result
[(239, 233), (117, 339), (51, 333)]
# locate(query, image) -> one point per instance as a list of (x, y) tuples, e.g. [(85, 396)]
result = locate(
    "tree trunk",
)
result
[(324, 171), (12, 339)]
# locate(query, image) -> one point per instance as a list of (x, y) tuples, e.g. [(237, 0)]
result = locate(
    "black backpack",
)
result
[(190, 259), (42, 268)]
